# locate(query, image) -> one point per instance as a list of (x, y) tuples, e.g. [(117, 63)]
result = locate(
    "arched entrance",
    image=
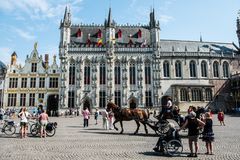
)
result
[(86, 104), (132, 103), (52, 105)]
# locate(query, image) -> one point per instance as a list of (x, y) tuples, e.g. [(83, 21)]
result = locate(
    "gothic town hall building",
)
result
[(131, 66)]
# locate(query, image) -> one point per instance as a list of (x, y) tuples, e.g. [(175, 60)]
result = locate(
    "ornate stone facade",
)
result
[(35, 82), (132, 66)]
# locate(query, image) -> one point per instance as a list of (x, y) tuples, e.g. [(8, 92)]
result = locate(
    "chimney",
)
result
[(46, 61)]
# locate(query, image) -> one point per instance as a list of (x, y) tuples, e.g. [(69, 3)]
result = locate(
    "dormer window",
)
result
[(99, 34), (139, 33), (119, 33), (79, 33), (34, 67)]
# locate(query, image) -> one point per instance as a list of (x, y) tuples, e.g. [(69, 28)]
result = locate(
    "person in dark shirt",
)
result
[(208, 135), (193, 124)]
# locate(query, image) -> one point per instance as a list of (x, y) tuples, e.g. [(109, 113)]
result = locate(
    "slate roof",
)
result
[(2, 66), (195, 46), (130, 33)]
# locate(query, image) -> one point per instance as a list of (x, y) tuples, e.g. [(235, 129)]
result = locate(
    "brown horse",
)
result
[(126, 114)]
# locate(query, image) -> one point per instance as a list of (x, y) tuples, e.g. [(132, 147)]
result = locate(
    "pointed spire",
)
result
[(200, 37), (152, 19), (109, 20), (67, 17)]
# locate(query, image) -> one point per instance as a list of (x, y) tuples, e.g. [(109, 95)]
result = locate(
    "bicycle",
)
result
[(35, 129), (9, 127)]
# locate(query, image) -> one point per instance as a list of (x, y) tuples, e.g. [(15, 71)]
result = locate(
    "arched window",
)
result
[(225, 70), (183, 94), (102, 73), (72, 73), (117, 73), (193, 71), (208, 93), (178, 69), (204, 69), (87, 75), (166, 70), (132, 73), (147, 73), (215, 69), (196, 94)]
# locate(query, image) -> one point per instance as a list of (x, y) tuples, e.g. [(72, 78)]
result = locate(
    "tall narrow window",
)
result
[(208, 94), (32, 99), (102, 73), (71, 99), (147, 73), (178, 69), (166, 72), (132, 73), (102, 99), (118, 98), (34, 67), (87, 75), (33, 83), (24, 83), (41, 96), (196, 94), (23, 99), (204, 69), (53, 82), (117, 74), (183, 94), (225, 70), (72, 74), (215, 69), (13, 82), (12, 99), (148, 99), (193, 71), (41, 82)]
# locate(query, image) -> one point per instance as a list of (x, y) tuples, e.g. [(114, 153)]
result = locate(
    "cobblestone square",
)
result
[(74, 142)]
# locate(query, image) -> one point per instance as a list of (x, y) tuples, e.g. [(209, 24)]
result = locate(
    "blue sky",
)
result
[(24, 22)]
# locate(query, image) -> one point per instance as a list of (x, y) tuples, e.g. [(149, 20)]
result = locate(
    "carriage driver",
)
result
[(167, 109)]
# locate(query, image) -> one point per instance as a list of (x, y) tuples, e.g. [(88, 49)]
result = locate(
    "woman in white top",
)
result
[(23, 115)]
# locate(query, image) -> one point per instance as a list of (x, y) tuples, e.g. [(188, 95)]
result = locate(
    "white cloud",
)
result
[(5, 53), (37, 9), (24, 34), (164, 19)]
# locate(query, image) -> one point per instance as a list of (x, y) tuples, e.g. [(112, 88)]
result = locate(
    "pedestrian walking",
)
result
[(86, 116), (96, 114), (208, 135), (43, 119), (111, 119), (23, 115), (193, 124), (221, 117), (105, 119), (1, 114)]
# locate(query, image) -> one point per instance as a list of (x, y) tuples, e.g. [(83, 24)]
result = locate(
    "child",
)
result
[(96, 116), (221, 117)]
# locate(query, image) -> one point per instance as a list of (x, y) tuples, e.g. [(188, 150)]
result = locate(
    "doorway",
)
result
[(52, 105)]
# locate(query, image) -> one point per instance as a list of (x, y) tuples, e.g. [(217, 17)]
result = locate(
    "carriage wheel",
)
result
[(174, 147), (161, 127)]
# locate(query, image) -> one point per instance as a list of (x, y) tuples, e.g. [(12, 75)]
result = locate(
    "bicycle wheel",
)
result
[(34, 129), (51, 133), (174, 147), (9, 129), (161, 127)]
